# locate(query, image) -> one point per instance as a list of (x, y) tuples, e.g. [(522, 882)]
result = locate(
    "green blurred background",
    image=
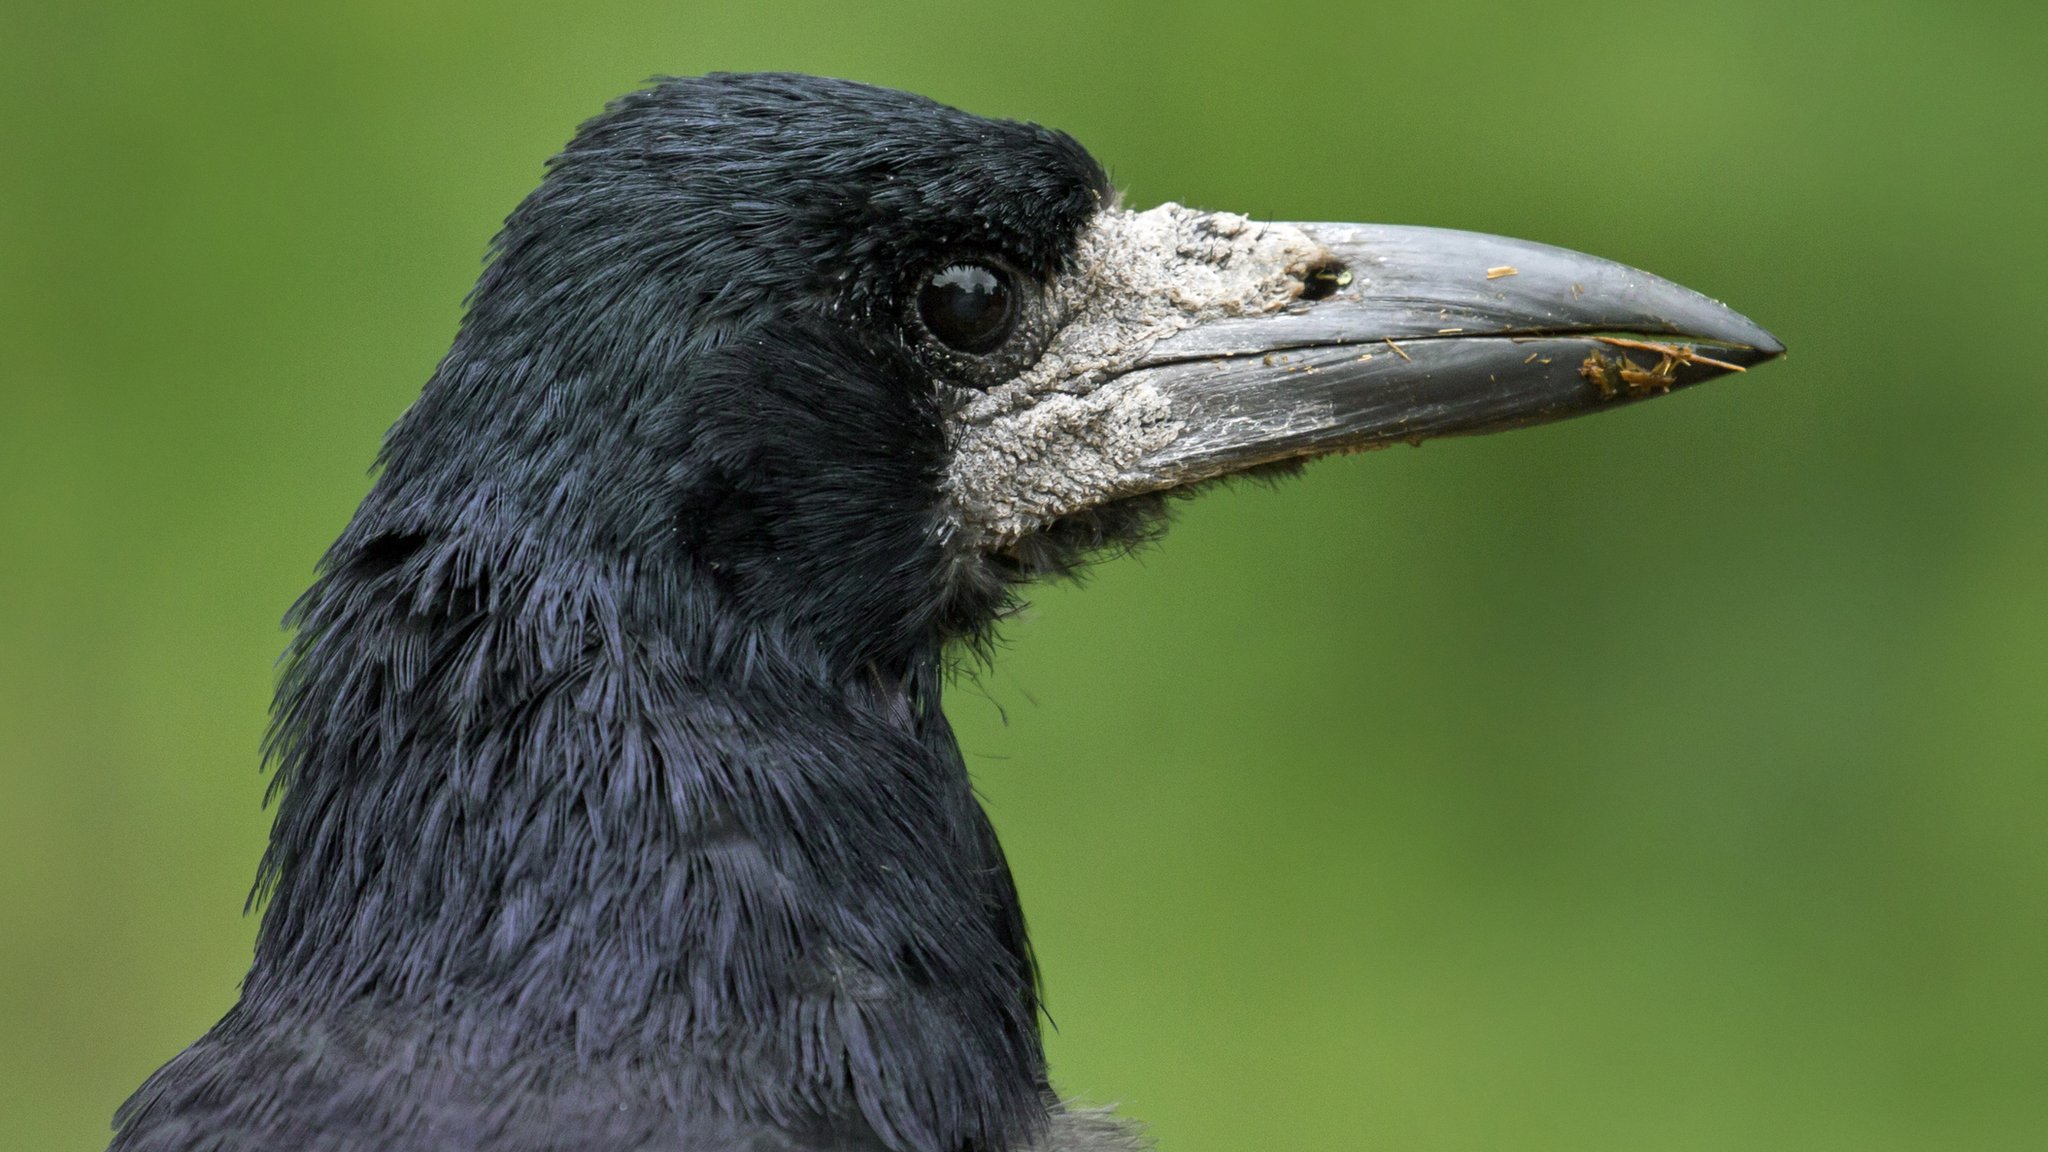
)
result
[(1672, 780)]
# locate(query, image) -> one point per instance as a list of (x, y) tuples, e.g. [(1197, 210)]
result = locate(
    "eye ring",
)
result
[(969, 306)]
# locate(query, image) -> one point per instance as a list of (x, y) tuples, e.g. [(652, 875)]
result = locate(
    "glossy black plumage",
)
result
[(615, 805)]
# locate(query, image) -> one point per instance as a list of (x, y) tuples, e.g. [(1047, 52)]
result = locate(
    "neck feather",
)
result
[(567, 810)]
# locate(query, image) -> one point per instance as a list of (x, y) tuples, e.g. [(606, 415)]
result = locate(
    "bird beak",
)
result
[(1201, 345)]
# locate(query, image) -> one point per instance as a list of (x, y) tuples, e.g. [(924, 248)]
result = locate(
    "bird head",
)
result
[(614, 792), (855, 363)]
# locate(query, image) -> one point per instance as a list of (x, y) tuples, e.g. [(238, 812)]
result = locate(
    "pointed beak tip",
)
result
[(1745, 339), (1767, 347)]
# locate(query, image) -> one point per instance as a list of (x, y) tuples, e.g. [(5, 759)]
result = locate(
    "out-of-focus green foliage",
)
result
[(1676, 779)]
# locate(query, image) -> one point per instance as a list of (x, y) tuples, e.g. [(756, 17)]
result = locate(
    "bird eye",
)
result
[(969, 308)]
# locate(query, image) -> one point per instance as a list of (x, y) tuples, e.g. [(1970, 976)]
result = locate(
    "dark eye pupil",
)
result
[(969, 307)]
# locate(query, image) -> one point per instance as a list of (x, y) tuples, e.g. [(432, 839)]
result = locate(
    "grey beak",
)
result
[(1425, 332), (1203, 344)]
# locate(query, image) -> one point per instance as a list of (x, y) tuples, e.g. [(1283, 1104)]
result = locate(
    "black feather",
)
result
[(615, 808)]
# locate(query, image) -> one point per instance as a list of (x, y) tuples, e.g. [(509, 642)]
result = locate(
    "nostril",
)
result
[(1320, 281)]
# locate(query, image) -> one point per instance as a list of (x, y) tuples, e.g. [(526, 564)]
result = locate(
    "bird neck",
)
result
[(574, 812)]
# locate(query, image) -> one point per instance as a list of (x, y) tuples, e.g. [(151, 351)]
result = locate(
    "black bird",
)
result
[(615, 806)]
